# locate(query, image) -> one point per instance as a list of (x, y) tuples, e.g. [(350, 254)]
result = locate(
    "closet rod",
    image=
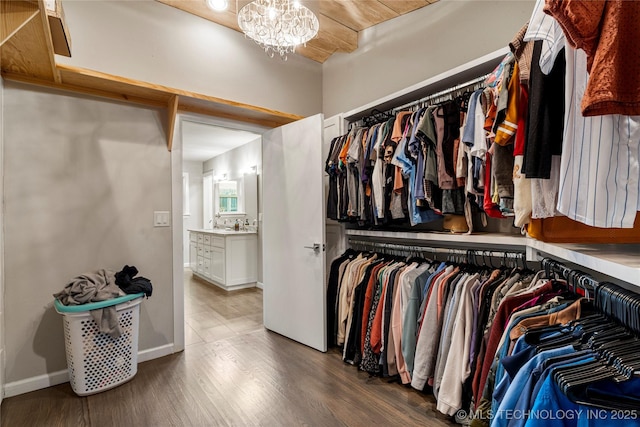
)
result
[(442, 93), (568, 273), (450, 251)]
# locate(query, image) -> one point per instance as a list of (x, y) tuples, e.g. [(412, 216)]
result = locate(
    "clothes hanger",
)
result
[(576, 382), (617, 351), (589, 372), (616, 348)]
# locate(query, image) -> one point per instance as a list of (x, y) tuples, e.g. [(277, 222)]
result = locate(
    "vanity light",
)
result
[(217, 5), (250, 169)]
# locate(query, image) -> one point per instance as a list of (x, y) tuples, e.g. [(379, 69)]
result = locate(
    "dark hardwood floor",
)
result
[(233, 372)]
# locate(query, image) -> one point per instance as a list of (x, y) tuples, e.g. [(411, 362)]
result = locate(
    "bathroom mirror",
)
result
[(229, 197)]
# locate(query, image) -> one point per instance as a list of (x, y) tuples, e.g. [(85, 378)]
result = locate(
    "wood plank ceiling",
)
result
[(340, 20)]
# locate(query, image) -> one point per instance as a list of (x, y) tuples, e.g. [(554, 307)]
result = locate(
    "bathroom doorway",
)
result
[(221, 166)]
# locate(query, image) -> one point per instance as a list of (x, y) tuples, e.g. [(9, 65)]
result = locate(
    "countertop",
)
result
[(222, 232)]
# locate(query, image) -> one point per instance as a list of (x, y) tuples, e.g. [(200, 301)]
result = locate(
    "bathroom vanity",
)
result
[(225, 258)]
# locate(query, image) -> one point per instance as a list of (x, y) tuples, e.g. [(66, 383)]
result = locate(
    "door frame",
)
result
[(176, 212)]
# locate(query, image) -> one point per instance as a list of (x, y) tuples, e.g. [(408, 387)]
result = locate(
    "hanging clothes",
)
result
[(607, 31), (414, 318)]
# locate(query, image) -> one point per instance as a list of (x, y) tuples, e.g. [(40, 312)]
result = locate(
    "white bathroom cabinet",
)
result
[(228, 259)]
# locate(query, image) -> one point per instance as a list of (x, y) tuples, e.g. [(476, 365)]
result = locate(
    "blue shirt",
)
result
[(469, 128), (552, 401), (539, 374), (502, 415), (416, 215)]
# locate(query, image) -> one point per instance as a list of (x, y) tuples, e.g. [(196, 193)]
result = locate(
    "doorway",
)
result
[(214, 156)]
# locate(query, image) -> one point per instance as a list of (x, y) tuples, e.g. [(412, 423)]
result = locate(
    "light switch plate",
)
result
[(161, 218)]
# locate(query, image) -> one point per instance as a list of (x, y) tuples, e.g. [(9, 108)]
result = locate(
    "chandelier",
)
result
[(278, 26)]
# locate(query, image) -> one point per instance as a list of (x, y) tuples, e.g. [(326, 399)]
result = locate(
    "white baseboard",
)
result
[(36, 383), (259, 285), (49, 380), (155, 353)]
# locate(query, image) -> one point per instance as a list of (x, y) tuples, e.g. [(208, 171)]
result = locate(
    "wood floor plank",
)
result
[(233, 372)]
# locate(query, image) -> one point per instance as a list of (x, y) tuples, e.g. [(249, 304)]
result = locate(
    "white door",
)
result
[(292, 226)]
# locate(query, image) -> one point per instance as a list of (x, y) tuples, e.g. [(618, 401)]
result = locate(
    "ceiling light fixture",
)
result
[(218, 5), (278, 26)]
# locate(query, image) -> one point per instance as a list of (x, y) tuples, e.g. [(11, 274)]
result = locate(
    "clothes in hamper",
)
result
[(130, 284), (94, 287)]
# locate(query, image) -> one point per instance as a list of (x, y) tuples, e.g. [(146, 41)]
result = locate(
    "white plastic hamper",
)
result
[(97, 362)]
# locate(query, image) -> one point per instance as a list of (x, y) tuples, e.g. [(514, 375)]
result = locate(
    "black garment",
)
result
[(332, 196), (332, 297), (130, 284), (450, 112), (405, 197), (453, 201), (545, 120), (388, 191), (343, 193), (352, 170)]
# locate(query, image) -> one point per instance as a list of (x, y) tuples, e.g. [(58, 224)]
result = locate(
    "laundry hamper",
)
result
[(97, 362)]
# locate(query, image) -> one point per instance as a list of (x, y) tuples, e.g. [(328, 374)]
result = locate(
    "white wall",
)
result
[(82, 179), (194, 220), (153, 42), (411, 48), (233, 162)]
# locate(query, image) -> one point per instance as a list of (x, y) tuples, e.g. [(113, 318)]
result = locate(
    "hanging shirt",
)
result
[(378, 171), (545, 118), (412, 295), (457, 368), (608, 32), (600, 165)]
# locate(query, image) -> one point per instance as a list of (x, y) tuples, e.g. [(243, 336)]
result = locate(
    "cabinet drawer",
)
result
[(207, 267), (193, 237), (207, 239), (218, 242), (207, 253), (200, 238), (200, 250), (200, 265)]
